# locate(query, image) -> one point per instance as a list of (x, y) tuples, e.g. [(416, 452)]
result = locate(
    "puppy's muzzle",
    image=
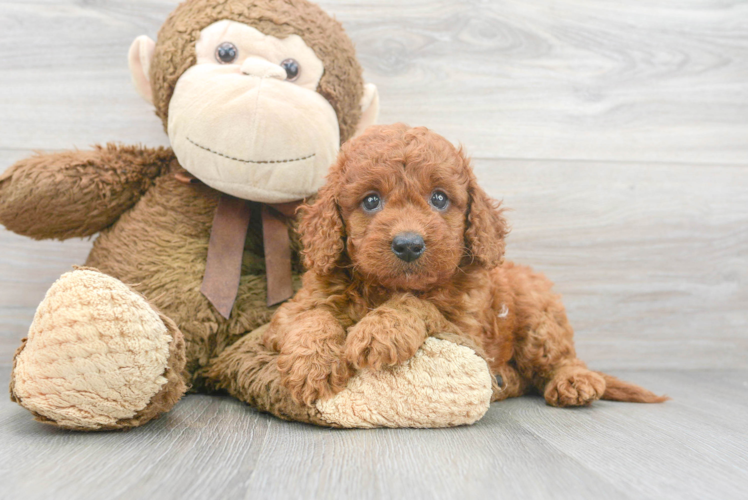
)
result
[(408, 246)]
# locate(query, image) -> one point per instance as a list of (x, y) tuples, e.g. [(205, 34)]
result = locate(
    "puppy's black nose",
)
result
[(408, 246)]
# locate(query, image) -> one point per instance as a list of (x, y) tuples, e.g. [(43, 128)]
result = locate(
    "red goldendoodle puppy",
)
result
[(401, 244)]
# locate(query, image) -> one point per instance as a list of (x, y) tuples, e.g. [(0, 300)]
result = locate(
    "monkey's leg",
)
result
[(249, 371), (98, 357), (445, 384)]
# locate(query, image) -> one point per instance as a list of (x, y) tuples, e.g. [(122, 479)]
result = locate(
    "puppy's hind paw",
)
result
[(576, 387)]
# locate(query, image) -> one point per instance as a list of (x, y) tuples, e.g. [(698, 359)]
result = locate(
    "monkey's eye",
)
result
[(226, 53), (439, 200), (292, 69), (372, 202)]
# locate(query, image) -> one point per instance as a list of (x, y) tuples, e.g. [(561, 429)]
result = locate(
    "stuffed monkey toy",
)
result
[(195, 243)]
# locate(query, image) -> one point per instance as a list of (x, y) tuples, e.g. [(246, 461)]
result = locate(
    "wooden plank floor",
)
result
[(695, 446), (615, 131)]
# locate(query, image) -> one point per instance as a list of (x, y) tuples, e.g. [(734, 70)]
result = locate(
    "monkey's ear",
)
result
[(369, 108), (486, 228), (322, 231), (139, 59)]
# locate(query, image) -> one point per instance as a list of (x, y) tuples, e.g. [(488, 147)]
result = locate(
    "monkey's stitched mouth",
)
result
[(251, 161)]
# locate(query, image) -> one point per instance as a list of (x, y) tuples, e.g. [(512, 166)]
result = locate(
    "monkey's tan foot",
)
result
[(98, 357), (442, 385), (574, 387)]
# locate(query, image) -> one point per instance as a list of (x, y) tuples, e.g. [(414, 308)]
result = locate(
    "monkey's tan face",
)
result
[(247, 119)]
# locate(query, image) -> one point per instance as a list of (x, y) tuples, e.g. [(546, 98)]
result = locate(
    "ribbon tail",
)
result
[(223, 267), (277, 257)]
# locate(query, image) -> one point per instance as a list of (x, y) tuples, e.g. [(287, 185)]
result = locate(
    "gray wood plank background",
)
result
[(617, 132), (572, 79)]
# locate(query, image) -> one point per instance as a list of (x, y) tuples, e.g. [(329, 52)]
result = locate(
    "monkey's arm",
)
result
[(76, 193)]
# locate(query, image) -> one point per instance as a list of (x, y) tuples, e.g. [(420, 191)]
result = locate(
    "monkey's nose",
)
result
[(262, 68), (408, 246)]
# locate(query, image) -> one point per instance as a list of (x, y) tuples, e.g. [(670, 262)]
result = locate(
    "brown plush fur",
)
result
[(341, 84), (154, 235), (154, 229), (77, 193), (373, 310), (248, 371)]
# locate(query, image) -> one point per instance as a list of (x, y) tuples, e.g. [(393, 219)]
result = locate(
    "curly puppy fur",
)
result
[(363, 307)]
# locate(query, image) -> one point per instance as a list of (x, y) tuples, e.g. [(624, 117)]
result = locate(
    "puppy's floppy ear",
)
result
[(322, 231), (485, 228)]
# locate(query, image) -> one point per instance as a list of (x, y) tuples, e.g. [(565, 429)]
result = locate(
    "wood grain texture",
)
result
[(652, 260), (571, 79), (695, 446)]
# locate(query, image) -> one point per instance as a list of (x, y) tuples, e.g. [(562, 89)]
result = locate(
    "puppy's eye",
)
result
[(372, 202), (292, 69), (439, 200), (226, 53)]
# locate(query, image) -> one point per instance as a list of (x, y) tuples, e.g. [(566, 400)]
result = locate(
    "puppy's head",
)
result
[(402, 207)]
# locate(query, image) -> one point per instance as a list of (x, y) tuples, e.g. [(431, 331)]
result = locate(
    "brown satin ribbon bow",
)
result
[(226, 248)]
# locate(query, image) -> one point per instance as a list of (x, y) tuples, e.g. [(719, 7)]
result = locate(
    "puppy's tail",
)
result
[(618, 390)]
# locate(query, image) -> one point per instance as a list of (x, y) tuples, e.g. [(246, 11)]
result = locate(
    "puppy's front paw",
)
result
[(312, 376), (578, 387), (383, 338)]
